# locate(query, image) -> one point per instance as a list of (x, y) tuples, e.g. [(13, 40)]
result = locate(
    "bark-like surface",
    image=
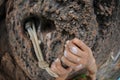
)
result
[(95, 22)]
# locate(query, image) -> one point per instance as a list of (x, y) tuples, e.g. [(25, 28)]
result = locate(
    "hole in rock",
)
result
[(35, 19), (47, 25), (42, 24)]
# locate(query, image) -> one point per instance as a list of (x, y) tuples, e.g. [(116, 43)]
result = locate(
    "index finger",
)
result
[(80, 44)]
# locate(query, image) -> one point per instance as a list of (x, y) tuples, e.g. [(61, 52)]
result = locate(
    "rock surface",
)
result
[(95, 22)]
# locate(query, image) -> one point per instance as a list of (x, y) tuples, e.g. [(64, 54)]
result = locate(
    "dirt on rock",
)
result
[(95, 22)]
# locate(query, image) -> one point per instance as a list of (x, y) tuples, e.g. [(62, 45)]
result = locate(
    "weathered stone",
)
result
[(62, 20)]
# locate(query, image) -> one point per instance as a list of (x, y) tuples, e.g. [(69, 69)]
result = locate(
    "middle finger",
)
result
[(74, 49), (71, 57)]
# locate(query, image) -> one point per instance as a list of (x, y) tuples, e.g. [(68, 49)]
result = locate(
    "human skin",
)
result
[(77, 55)]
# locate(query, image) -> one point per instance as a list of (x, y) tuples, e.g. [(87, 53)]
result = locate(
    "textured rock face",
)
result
[(57, 21)]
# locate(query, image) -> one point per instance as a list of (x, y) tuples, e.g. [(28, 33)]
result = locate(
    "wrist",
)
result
[(92, 70)]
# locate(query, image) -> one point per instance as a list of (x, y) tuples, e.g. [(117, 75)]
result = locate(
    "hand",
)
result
[(78, 55), (58, 69)]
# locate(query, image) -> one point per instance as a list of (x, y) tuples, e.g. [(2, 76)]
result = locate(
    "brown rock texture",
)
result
[(95, 22)]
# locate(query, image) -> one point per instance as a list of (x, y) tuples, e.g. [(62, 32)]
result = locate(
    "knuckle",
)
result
[(84, 53), (82, 44), (68, 56), (89, 49), (59, 67)]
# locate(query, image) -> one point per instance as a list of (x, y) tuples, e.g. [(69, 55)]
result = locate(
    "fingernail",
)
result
[(67, 42), (79, 66), (53, 66), (57, 60), (65, 45), (62, 59), (74, 50), (65, 53)]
